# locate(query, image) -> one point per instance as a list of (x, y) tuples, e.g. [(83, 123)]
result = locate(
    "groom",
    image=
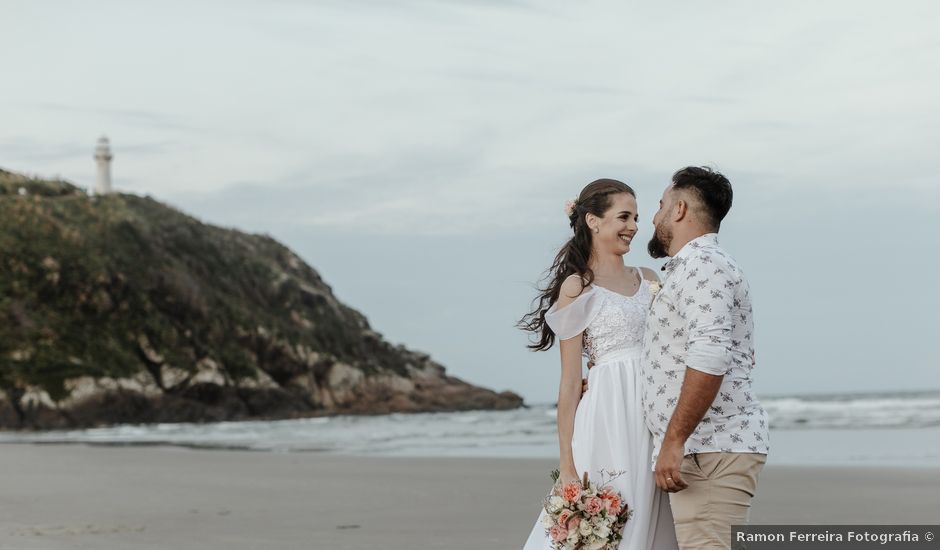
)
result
[(710, 436)]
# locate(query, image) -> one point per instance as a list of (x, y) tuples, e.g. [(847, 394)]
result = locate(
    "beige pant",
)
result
[(719, 494)]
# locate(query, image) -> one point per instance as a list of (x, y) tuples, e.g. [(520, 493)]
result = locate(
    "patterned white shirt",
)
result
[(701, 319)]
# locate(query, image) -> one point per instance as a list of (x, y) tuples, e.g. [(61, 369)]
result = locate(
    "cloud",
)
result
[(374, 97), (29, 150), (130, 117)]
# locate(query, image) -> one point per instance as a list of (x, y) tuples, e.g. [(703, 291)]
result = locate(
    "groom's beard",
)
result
[(659, 244)]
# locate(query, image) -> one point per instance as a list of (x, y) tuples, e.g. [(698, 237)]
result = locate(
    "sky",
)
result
[(419, 153)]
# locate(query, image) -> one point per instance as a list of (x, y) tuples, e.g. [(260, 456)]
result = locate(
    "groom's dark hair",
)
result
[(712, 189)]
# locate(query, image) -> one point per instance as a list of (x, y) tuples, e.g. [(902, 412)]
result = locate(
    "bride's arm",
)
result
[(569, 388), (569, 395)]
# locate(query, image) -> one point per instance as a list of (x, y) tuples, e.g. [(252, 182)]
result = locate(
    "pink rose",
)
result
[(571, 492), (593, 506), (564, 517), (613, 505), (558, 533), (570, 205), (574, 523)]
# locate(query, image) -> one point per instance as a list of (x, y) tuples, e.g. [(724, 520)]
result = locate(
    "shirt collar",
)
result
[(708, 239)]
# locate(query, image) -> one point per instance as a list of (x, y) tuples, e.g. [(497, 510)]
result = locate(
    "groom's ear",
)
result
[(680, 211)]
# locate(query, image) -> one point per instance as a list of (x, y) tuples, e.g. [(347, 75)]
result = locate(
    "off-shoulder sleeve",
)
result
[(572, 319)]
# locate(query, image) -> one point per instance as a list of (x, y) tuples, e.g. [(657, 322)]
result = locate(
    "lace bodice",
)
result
[(609, 321), (619, 323)]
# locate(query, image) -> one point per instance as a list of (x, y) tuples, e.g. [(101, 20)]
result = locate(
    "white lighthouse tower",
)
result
[(103, 157)]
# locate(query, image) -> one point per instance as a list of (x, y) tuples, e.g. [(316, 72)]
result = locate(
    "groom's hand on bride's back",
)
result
[(584, 384)]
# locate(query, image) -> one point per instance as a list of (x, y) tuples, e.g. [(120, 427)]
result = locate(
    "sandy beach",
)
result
[(80, 497)]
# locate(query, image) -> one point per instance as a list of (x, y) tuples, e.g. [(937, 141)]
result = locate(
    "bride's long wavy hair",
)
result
[(573, 258)]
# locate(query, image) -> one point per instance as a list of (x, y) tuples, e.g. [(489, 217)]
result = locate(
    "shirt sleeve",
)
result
[(572, 319), (707, 300)]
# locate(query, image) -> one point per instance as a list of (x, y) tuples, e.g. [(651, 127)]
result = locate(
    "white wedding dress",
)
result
[(609, 430)]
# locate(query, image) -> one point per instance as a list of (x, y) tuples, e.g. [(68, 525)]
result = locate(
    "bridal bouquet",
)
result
[(584, 515)]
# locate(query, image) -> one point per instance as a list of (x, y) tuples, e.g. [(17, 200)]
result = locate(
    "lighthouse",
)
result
[(103, 158)]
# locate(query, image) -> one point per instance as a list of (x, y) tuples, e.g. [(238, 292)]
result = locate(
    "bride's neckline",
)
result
[(637, 273), (637, 291)]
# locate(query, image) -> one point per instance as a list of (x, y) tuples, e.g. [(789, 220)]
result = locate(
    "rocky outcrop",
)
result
[(119, 309)]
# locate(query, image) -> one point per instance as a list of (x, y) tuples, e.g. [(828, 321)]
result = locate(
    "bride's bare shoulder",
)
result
[(573, 286)]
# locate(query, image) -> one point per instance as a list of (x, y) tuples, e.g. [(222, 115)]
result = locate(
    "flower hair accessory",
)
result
[(570, 205)]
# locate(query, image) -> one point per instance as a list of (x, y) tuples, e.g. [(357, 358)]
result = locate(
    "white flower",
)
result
[(555, 504), (547, 521), (585, 528), (597, 545), (602, 531), (655, 287), (573, 537)]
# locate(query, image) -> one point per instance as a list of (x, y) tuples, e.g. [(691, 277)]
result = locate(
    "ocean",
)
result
[(884, 429)]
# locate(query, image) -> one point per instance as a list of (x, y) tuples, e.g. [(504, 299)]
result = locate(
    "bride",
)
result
[(596, 307)]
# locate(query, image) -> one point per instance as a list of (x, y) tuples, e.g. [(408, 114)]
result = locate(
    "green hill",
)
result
[(118, 308)]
